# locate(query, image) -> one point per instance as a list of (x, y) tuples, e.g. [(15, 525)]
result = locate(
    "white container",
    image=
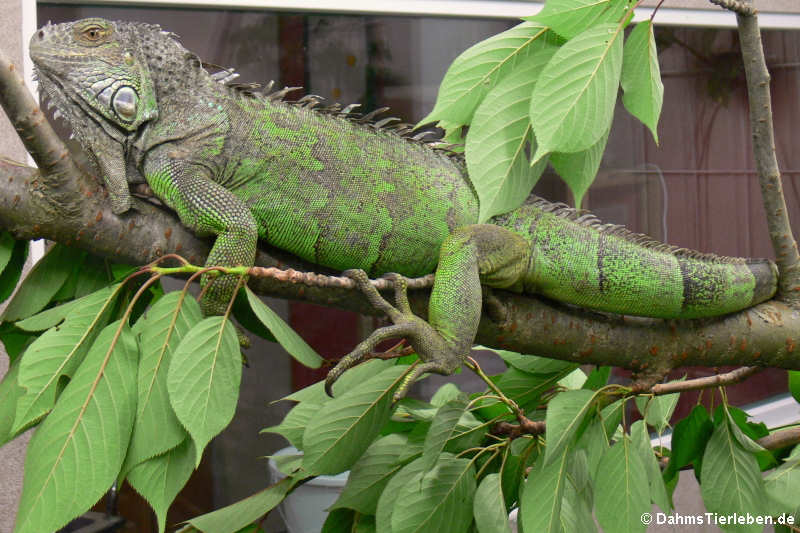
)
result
[(304, 510)]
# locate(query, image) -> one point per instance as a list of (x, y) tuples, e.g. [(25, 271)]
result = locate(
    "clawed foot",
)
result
[(437, 355)]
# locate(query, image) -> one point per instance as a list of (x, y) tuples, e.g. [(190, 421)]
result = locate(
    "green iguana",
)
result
[(351, 194)]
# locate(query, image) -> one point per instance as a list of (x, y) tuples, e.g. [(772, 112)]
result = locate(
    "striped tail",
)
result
[(581, 261)]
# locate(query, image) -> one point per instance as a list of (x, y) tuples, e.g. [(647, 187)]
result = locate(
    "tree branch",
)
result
[(769, 177), (781, 439), (64, 204), (737, 6), (717, 380)]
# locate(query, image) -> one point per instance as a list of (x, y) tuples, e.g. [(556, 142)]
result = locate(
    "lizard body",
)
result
[(351, 195)]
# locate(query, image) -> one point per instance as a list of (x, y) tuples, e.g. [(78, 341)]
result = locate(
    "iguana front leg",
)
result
[(207, 208), (469, 256)]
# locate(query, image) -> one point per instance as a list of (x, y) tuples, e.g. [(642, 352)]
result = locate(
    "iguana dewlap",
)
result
[(351, 195)]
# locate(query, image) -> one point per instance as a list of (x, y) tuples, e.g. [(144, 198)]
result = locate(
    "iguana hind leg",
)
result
[(469, 256)]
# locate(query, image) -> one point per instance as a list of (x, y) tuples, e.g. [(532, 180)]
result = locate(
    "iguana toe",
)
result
[(437, 354)]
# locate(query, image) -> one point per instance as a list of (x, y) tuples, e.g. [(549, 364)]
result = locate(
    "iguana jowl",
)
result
[(349, 195)]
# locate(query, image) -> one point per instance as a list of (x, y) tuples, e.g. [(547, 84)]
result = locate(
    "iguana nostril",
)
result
[(40, 33)]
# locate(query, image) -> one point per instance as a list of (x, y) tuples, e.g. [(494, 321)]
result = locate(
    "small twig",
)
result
[(473, 365), (740, 8), (321, 280), (526, 426), (655, 10), (717, 380), (398, 350)]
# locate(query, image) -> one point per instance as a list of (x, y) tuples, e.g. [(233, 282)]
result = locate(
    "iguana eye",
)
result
[(125, 102), (93, 33)]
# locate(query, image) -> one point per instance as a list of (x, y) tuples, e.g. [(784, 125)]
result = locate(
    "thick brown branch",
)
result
[(761, 125), (67, 206), (781, 439), (766, 335), (717, 380), (39, 138)]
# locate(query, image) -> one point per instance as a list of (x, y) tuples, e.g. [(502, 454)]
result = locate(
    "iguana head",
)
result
[(99, 66), (95, 73)]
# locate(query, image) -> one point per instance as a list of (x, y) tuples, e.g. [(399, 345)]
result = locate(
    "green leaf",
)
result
[(533, 364), (525, 389), (578, 471), (236, 516), (10, 392), (203, 379), (579, 169), (612, 417), (365, 524), (496, 143), (343, 429), (286, 336), (295, 423), (468, 433), (287, 464), (43, 281), (658, 491), (540, 502), (388, 498), (13, 270), (442, 429), (513, 469), (641, 77), (657, 410), (246, 318), (783, 485), (15, 340), (358, 374), (160, 478), (574, 380), (371, 473), (621, 492), (50, 317), (576, 512), (731, 480), (473, 73), (689, 439), (595, 442), (92, 276), (7, 243), (74, 457), (445, 393), (740, 429), (794, 384), (573, 102), (437, 500), (160, 330), (565, 414), (58, 352), (568, 18), (597, 378), (339, 521), (489, 508)]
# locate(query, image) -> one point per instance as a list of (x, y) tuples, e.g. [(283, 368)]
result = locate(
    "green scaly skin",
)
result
[(353, 196)]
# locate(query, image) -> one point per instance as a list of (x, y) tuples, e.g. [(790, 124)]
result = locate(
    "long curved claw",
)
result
[(362, 351), (430, 366)]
